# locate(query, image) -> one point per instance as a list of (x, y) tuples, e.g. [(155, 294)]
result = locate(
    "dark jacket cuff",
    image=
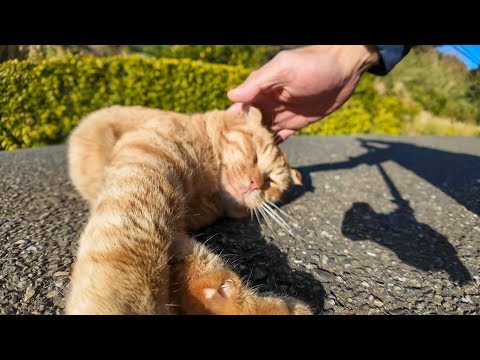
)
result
[(390, 55)]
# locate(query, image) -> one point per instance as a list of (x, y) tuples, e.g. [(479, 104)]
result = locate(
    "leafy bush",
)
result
[(42, 102), (246, 55), (441, 84), (428, 124), (367, 112)]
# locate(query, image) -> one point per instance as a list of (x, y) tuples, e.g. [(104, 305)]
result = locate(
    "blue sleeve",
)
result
[(390, 55)]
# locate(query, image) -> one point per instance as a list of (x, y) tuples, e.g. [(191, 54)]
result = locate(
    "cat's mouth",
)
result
[(252, 193), (257, 203), (253, 198)]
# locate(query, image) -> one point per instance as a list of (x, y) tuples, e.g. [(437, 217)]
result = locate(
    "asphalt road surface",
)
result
[(384, 225)]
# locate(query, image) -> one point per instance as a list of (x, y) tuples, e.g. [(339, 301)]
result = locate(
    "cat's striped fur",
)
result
[(151, 175)]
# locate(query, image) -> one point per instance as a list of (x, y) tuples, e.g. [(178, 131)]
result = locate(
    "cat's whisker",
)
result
[(276, 221), (256, 215), (258, 219), (196, 235), (274, 216), (284, 223), (284, 213), (269, 224), (233, 264), (265, 216), (210, 238), (281, 211), (274, 213), (228, 258)]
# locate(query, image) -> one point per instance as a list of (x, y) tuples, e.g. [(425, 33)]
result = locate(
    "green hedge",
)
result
[(367, 112), (245, 55), (42, 102), (439, 83)]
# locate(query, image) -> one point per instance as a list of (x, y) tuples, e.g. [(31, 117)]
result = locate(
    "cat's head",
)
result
[(253, 169)]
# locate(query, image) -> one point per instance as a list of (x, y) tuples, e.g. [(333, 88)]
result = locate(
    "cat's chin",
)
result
[(253, 199)]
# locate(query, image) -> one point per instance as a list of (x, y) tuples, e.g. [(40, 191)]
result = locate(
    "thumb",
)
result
[(245, 93), (257, 82)]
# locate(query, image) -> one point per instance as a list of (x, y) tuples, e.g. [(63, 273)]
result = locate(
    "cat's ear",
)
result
[(251, 113), (296, 177)]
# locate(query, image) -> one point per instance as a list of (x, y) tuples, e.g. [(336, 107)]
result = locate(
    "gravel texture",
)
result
[(384, 225)]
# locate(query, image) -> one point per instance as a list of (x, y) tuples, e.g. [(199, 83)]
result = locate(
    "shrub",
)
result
[(441, 84), (246, 55), (42, 102), (367, 112)]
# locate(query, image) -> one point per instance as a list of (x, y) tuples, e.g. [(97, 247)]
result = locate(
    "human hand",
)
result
[(301, 86)]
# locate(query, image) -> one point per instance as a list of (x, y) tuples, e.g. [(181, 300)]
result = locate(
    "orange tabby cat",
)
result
[(151, 175)]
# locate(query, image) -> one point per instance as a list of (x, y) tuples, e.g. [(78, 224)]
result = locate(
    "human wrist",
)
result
[(357, 58), (372, 56), (354, 60)]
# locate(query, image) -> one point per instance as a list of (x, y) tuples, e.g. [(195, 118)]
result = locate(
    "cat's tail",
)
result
[(89, 149)]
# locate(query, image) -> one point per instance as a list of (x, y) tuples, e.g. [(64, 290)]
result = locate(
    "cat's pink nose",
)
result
[(256, 183)]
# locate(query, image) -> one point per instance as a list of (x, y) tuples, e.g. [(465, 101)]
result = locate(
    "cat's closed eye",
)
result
[(255, 160), (269, 182)]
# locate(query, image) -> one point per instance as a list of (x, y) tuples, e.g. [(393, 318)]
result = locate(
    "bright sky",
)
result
[(469, 54)]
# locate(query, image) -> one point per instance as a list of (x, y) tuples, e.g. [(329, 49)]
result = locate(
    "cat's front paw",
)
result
[(215, 293)]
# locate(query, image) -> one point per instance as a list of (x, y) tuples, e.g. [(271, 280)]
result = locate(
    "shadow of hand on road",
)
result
[(414, 243)]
